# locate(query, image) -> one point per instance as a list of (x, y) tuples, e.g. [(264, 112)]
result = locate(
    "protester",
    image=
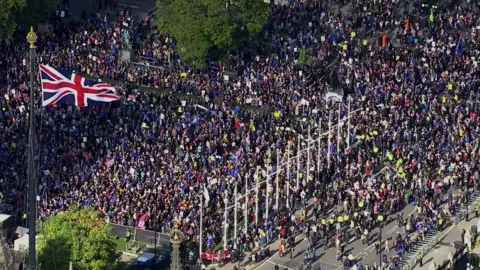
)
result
[(413, 104)]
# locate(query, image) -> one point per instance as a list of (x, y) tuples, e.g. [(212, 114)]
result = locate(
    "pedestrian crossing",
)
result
[(430, 240)]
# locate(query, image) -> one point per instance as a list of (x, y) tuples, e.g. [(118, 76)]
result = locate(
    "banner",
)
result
[(335, 97), (215, 256), (141, 222)]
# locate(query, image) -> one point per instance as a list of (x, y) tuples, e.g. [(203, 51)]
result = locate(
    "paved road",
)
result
[(327, 258), (140, 8)]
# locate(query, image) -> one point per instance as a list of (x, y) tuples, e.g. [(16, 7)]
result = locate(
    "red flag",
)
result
[(141, 222)]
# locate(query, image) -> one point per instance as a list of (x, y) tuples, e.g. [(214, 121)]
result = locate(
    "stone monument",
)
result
[(6, 256)]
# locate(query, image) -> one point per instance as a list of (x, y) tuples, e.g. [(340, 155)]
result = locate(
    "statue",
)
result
[(468, 239), (6, 255)]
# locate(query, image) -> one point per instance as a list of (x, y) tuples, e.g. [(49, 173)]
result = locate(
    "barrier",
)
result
[(139, 235), (459, 254), (216, 256)]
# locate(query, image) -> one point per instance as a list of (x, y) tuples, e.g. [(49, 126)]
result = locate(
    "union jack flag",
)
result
[(68, 87)]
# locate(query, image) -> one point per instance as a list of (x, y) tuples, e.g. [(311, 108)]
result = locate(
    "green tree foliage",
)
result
[(80, 236), (210, 27), (26, 12), (9, 12), (304, 57)]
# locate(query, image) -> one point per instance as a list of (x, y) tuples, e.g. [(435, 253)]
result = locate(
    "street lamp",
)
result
[(380, 226), (32, 211)]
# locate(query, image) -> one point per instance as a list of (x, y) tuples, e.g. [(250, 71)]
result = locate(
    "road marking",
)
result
[(371, 246), (364, 253), (282, 266), (392, 229), (124, 5), (352, 239)]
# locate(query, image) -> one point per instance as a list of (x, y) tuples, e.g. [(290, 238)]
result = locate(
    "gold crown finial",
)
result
[(31, 37)]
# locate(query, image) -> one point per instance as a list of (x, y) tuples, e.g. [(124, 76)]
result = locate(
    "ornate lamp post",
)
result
[(380, 227), (32, 211), (176, 239)]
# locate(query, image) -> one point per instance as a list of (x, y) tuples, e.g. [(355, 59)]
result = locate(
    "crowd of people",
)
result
[(409, 81)]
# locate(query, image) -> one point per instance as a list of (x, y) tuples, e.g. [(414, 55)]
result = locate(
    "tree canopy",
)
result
[(205, 28), (27, 12), (79, 236), (9, 12)]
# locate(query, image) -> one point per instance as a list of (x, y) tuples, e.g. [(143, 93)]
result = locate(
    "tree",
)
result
[(210, 27), (9, 12), (304, 57), (26, 12), (79, 236)]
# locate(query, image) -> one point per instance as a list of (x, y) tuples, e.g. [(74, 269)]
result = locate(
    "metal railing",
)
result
[(410, 265), (459, 254), (139, 235)]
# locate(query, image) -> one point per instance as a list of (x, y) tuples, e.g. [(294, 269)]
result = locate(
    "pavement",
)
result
[(439, 254)]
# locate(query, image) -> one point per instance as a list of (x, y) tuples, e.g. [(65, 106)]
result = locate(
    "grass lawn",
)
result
[(122, 244)]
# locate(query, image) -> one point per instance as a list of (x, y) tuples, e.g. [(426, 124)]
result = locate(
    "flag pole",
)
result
[(235, 216), (225, 217), (246, 203), (319, 145), (298, 163), (155, 235), (348, 125), (200, 246), (308, 154), (256, 197), (267, 193), (338, 127), (329, 138), (277, 178), (32, 211), (288, 175)]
